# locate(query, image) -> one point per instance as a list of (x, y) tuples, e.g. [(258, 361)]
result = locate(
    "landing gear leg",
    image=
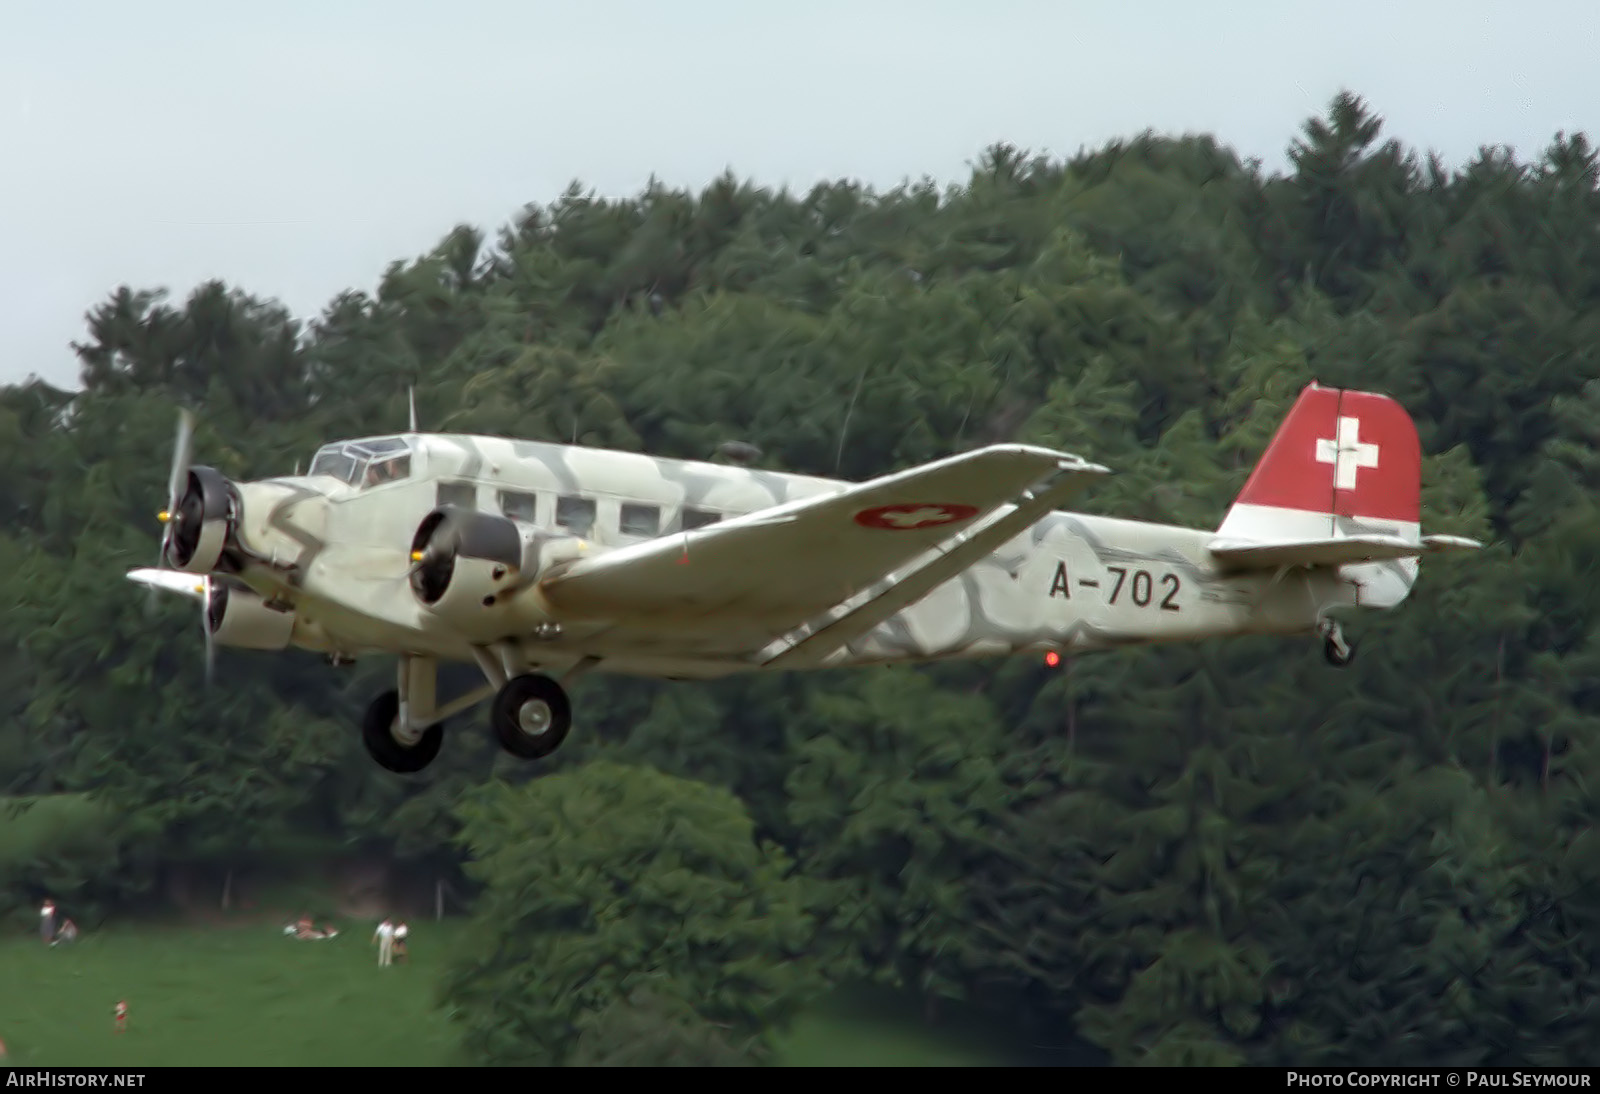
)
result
[(394, 745), (1335, 648), (531, 716)]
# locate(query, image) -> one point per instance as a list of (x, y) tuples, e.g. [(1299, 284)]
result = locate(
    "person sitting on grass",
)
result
[(67, 933), (307, 930)]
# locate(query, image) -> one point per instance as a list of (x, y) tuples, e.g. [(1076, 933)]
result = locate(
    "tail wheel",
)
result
[(1337, 650), (377, 733), (531, 717)]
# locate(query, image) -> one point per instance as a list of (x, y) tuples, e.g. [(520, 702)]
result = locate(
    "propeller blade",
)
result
[(205, 625), (181, 452), (150, 588), (177, 479)]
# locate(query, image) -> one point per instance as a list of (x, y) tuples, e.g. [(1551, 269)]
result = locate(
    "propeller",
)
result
[(183, 515), (182, 451), (450, 532), (212, 595), (214, 599), (433, 554)]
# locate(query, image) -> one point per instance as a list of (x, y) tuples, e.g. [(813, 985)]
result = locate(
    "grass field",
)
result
[(246, 996)]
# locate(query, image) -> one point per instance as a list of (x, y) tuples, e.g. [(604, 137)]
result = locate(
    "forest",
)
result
[(1226, 853)]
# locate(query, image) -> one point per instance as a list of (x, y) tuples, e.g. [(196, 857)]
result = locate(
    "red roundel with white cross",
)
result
[(913, 515)]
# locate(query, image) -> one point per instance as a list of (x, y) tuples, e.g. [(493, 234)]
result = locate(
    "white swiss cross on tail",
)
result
[(1347, 453)]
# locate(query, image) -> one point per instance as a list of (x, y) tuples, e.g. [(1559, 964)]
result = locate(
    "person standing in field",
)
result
[(400, 932), (47, 921), (121, 1016), (384, 936)]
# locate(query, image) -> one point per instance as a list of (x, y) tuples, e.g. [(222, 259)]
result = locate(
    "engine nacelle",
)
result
[(478, 572), (201, 525), (240, 618)]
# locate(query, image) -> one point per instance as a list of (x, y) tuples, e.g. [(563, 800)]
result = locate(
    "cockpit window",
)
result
[(380, 445), (334, 461), (364, 463), (392, 469)]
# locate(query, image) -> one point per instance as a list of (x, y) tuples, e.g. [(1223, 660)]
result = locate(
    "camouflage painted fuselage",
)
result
[(1070, 582)]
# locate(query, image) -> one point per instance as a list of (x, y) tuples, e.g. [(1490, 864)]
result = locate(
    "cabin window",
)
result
[(575, 514), (699, 518), (519, 506), (463, 494), (640, 520)]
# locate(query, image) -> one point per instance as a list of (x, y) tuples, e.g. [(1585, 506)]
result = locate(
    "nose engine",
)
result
[(480, 571), (200, 522)]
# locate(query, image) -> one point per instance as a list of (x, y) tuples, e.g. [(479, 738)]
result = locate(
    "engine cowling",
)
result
[(479, 571), (240, 618), (200, 527)]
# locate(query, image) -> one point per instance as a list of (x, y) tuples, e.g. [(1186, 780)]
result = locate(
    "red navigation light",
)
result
[(1052, 658)]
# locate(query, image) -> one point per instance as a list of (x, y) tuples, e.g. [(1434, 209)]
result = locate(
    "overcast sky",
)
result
[(296, 148)]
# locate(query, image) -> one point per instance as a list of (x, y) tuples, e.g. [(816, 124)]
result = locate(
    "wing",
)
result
[(781, 567), (1338, 551), (810, 645), (172, 581)]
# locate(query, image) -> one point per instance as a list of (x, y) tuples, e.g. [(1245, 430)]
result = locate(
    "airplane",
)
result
[(543, 562)]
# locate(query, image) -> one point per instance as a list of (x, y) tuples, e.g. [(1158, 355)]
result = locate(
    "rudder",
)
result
[(1342, 464)]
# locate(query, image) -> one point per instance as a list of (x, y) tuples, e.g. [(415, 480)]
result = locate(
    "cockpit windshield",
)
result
[(364, 463)]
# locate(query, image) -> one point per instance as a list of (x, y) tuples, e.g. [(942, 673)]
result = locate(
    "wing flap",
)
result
[(782, 566)]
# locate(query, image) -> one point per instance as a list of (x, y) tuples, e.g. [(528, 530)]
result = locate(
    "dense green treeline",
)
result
[(1222, 853)]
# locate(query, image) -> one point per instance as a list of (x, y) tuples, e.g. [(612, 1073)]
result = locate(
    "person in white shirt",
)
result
[(384, 936), (400, 932), (47, 921)]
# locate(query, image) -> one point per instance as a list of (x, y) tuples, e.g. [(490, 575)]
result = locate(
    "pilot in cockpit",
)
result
[(379, 473)]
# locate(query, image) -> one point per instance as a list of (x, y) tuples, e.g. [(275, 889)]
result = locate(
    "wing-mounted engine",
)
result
[(479, 572), (240, 618)]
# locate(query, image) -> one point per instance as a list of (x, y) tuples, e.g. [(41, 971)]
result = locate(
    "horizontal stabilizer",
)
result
[(1339, 551), (1439, 544)]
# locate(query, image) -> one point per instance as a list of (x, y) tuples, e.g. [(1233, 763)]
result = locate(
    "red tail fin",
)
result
[(1338, 454)]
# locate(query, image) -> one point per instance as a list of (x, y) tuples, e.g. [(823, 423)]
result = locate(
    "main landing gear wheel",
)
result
[(531, 716), (1335, 648), (378, 734)]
